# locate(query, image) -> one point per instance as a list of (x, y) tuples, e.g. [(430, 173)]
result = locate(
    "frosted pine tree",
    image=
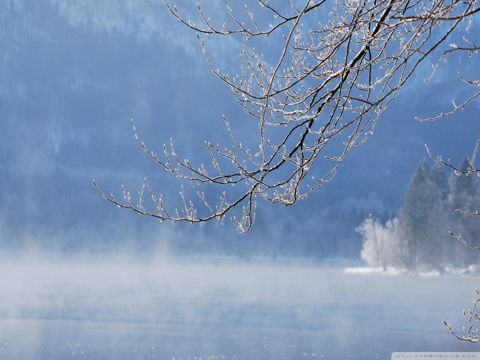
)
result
[(464, 196)]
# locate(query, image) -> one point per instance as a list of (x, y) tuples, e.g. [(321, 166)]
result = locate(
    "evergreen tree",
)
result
[(437, 174), (419, 216), (440, 240), (464, 194), (463, 189)]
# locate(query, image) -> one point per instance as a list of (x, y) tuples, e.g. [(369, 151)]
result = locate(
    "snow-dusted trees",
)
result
[(418, 237), (412, 238), (337, 66), (383, 244)]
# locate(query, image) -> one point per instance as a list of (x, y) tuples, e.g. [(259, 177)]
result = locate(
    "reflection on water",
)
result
[(122, 309)]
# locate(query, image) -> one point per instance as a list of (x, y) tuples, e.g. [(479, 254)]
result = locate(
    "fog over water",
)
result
[(167, 308), (72, 75)]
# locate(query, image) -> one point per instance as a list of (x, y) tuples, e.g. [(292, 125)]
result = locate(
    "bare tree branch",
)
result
[(471, 333), (322, 96)]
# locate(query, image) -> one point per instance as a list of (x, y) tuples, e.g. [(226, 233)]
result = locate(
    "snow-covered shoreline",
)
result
[(394, 271)]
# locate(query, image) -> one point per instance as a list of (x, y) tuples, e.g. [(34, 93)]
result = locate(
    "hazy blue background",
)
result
[(72, 74)]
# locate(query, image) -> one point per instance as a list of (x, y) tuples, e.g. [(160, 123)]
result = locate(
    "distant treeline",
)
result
[(419, 236), (302, 233)]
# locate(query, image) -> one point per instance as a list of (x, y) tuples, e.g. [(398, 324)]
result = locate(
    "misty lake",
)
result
[(118, 308)]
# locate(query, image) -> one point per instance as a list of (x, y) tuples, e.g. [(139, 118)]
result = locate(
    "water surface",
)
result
[(126, 309)]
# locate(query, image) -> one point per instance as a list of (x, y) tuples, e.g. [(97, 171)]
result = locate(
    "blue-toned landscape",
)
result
[(364, 261)]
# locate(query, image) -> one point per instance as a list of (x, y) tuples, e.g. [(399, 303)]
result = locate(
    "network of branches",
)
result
[(339, 65), (471, 331)]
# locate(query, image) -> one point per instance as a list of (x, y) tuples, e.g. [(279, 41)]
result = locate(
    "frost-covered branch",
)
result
[(471, 332), (332, 78)]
